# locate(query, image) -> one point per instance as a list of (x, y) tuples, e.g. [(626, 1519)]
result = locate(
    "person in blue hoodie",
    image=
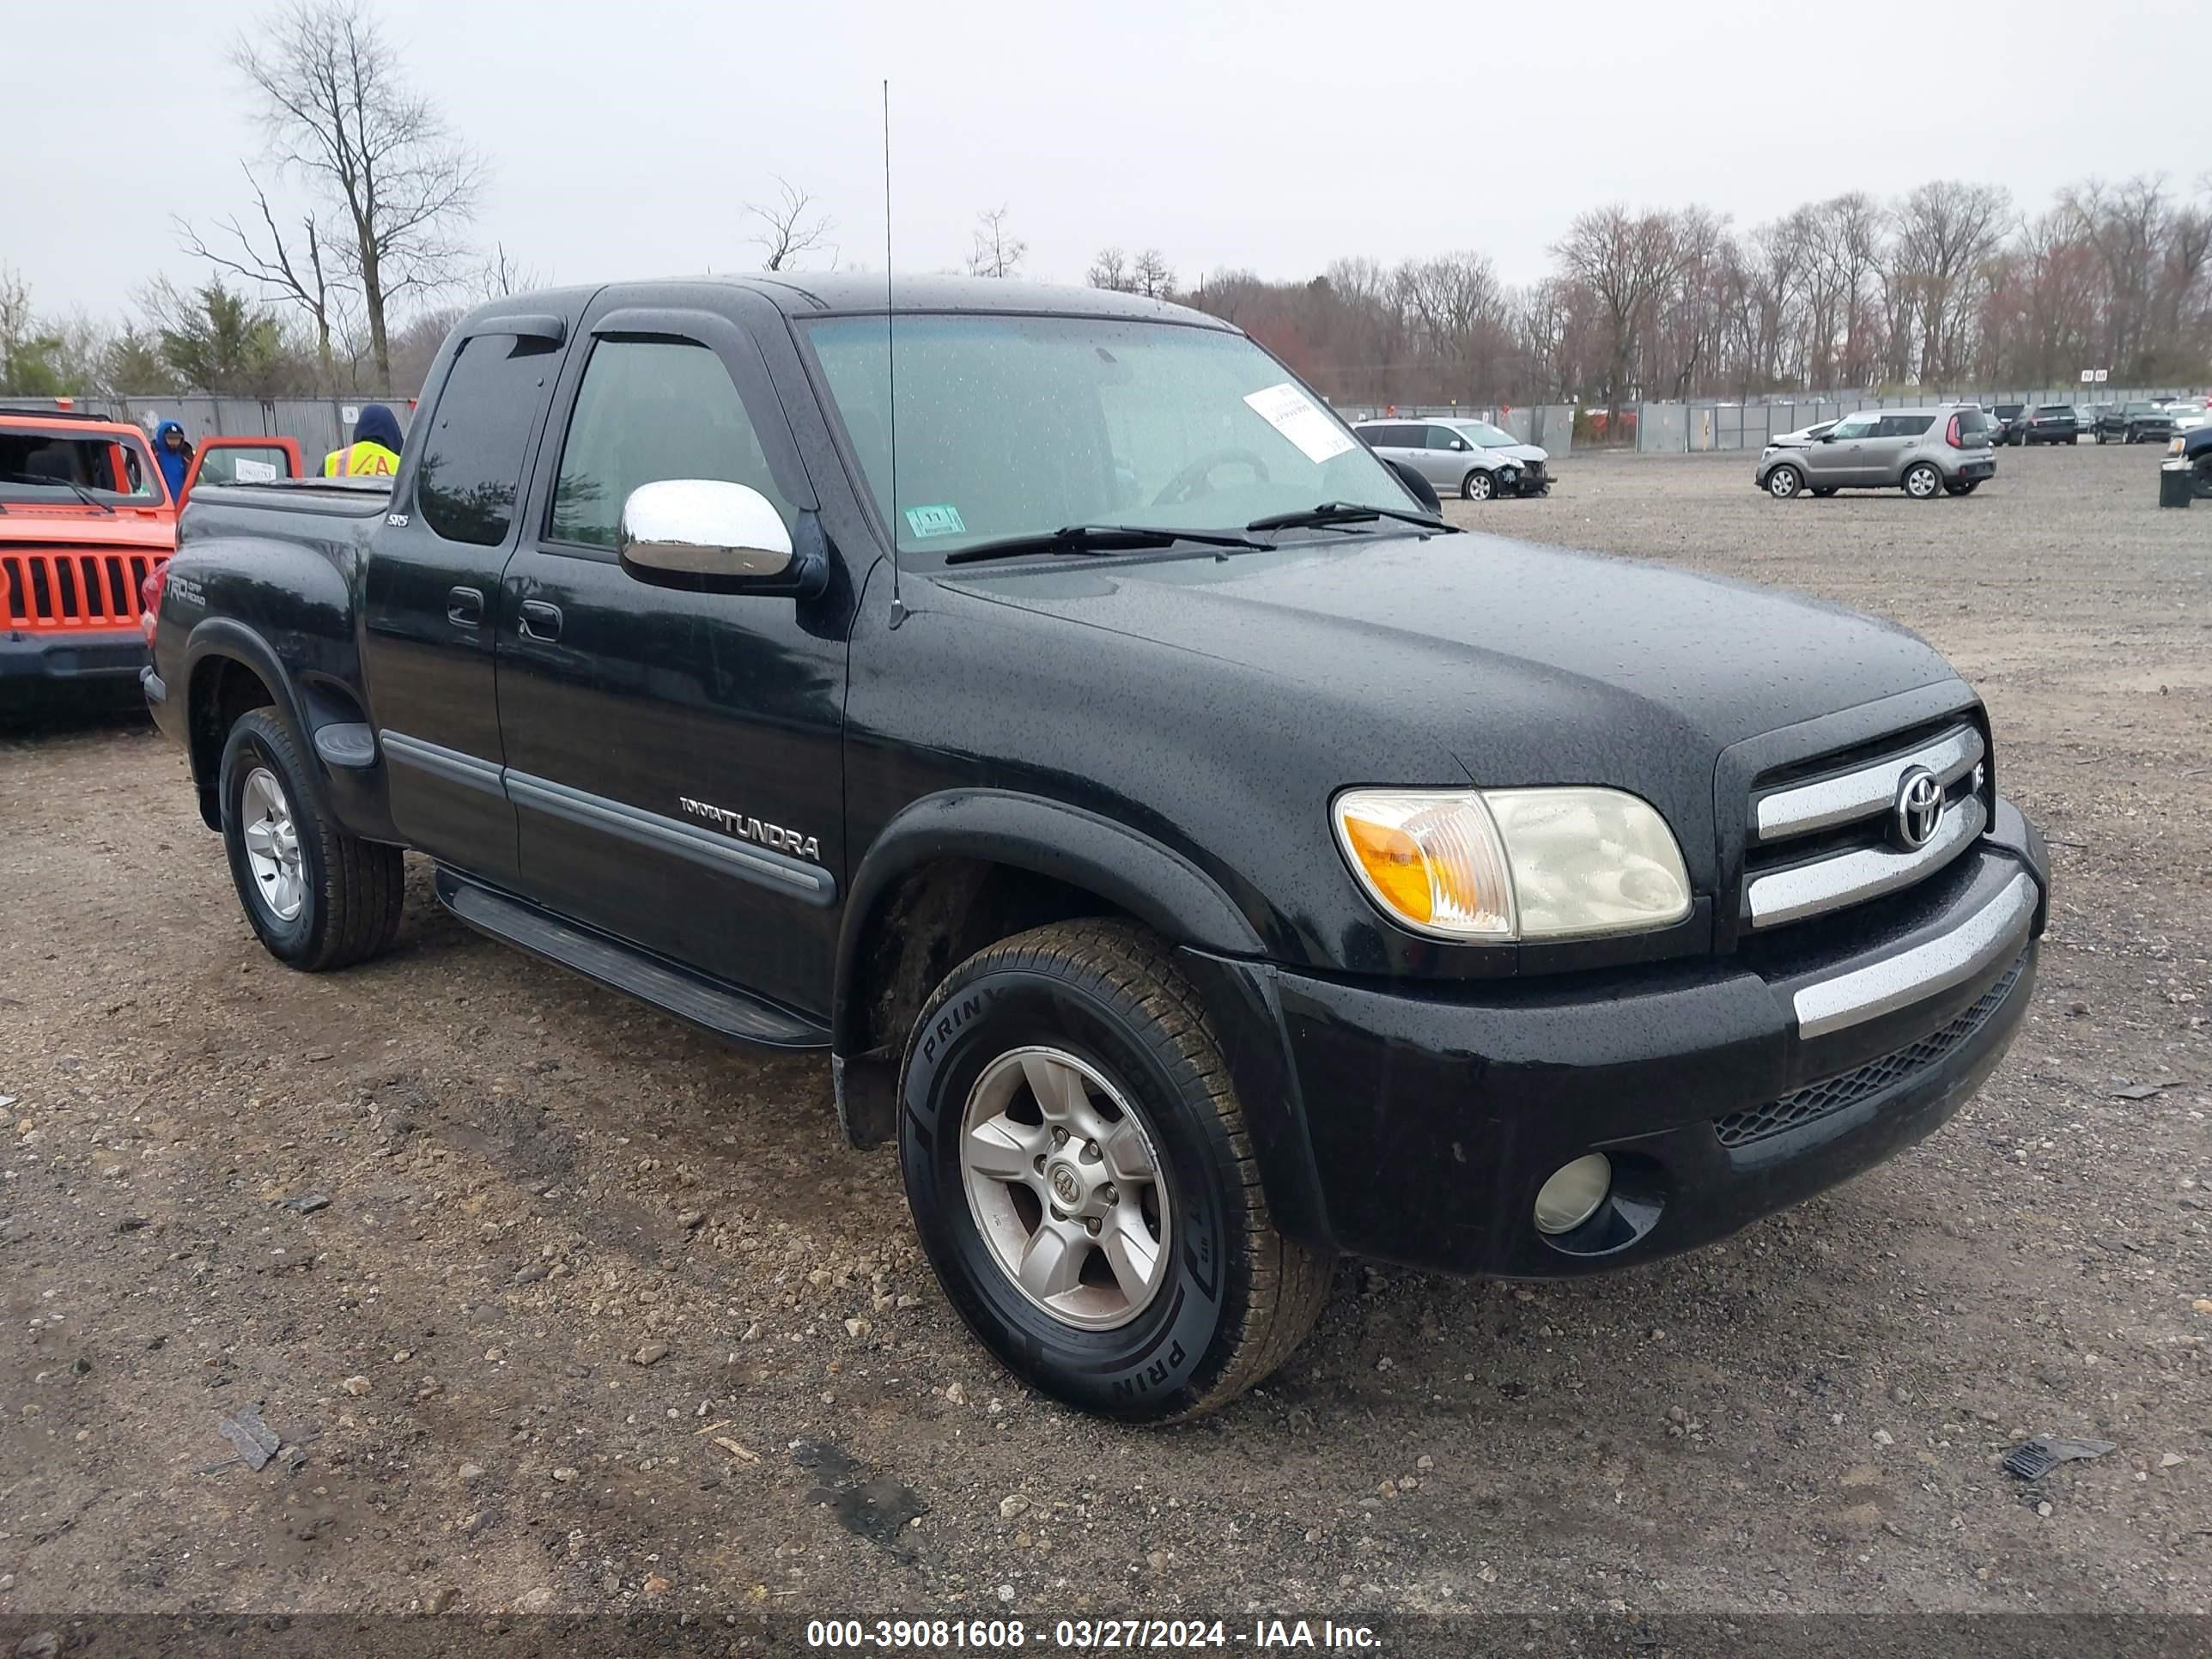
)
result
[(374, 451), (174, 455)]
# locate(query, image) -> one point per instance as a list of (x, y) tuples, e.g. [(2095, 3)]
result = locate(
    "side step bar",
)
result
[(721, 1009)]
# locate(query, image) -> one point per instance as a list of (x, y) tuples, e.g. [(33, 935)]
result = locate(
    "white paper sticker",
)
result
[(1294, 415), (254, 471), (349, 413)]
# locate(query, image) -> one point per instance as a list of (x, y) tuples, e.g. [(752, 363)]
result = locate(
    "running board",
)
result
[(720, 1009)]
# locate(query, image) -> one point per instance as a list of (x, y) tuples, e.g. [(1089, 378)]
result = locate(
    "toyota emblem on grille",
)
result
[(1919, 809)]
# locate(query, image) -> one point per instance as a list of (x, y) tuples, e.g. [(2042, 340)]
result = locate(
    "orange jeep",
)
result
[(86, 526)]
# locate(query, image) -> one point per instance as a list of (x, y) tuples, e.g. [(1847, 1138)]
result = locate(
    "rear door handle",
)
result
[(540, 621), (465, 607)]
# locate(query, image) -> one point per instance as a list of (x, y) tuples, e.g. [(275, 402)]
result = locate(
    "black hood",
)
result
[(1477, 626), (1475, 658)]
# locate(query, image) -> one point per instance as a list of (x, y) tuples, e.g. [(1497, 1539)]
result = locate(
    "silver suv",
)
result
[(1927, 452)]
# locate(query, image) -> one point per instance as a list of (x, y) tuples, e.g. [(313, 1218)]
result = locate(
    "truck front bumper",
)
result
[(1719, 1093), (105, 653)]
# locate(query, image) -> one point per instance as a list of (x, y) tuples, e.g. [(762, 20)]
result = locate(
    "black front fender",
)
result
[(1130, 871)]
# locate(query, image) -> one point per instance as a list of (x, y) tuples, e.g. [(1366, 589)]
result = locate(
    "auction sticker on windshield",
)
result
[(1294, 415), (941, 521)]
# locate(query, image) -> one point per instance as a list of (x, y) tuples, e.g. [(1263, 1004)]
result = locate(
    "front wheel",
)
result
[(2100, 437), (1922, 482), (1785, 482), (1477, 486), (1084, 1180), (317, 897), (2203, 478)]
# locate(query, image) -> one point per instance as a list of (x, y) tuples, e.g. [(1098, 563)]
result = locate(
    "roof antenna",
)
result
[(891, 362)]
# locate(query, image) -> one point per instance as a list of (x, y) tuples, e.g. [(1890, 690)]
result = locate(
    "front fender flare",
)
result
[(1218, 947), (1130, 871)]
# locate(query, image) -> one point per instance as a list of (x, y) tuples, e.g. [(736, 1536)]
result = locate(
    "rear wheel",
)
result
[(1477, 486), (1963, 486), (1785, 482), (318, 897), (1824, 491), (1083, 1181), (1922, 482)]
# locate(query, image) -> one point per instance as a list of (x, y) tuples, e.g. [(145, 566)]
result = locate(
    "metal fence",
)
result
[(321, 424), (1715, 425)]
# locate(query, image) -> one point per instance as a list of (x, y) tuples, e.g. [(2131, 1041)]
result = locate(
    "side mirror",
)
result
[(1829, 436), (709, 535), (1459, 443), (1417, 486)]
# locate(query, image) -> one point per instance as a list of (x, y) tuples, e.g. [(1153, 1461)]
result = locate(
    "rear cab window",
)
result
[(470, 466), (1904, 426)]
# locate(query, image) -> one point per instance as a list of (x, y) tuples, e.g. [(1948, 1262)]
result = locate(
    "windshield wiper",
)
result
[(1336, 512), (1096, 538), (84, 494)]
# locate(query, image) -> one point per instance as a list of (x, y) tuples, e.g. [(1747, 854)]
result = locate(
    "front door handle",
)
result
[(465, 607), (540, 621)]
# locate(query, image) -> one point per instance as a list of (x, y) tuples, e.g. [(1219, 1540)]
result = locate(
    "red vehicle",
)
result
[(86, 527)]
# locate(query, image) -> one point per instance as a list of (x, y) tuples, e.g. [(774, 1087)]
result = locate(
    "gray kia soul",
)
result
[(1927, 452)]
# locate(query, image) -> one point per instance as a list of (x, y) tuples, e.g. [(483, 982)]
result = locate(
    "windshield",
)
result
[(64, 464), (1484, 435), (1016, 426)]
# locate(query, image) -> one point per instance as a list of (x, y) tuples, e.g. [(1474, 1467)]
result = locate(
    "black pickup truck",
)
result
[(1199, 858)]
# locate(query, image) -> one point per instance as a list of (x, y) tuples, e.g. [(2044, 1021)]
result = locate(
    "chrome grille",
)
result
[(1824, 841)]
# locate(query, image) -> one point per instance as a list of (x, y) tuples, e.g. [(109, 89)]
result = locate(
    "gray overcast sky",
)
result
[(1273, 134)]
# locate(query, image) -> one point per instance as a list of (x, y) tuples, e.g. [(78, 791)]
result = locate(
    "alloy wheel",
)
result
[(1065, 1186), (272, 844)]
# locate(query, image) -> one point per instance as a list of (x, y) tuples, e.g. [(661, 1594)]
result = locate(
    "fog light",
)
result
[(1571, 1196)]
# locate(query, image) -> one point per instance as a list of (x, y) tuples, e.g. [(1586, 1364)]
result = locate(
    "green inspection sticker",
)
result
[(940, 520)]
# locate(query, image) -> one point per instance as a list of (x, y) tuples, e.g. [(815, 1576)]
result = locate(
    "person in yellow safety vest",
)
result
[(374, 451)]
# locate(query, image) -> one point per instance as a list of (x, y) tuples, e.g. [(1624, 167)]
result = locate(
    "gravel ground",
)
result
[(598, 1314)]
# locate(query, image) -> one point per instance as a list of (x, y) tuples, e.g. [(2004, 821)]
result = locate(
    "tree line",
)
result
[(1947, 286), (349, 259)]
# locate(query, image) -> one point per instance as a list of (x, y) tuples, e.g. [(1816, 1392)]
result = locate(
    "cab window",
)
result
[(650, 410), (1856, 425), (472, 465)]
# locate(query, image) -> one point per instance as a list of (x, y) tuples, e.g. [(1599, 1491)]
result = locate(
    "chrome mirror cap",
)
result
[(704, 527)]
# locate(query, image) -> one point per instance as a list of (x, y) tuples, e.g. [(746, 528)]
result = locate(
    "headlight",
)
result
[(2177, 446), (1514, 864)]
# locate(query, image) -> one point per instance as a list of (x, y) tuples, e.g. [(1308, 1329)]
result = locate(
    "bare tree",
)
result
[(788, 230), (502, 274), (1110, 270), (339, 115), (997, 251), (1946, 234), (1152, 275), (1627, 260), (298, 271)]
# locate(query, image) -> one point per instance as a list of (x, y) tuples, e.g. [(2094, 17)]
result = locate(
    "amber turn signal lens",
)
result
[(1432, 860)]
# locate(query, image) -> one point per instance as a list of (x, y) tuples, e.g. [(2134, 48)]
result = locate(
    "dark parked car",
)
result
[(2137, 424), (2051, 424), (2193, 449), (1198, 858), (2011, 420)]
